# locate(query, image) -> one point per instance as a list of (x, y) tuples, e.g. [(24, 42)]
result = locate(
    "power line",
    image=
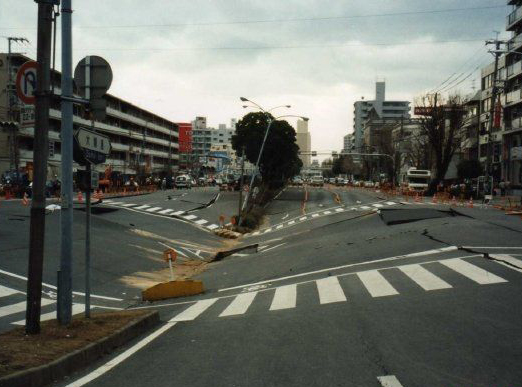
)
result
[(288, 20), (482, 63), (277, 47)]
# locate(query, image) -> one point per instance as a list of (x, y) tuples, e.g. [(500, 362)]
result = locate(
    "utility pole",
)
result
[(241, 184), (13, 140), (40, 150), (494, 90), (64, 308)]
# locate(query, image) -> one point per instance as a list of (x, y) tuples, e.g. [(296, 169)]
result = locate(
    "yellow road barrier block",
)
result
[(172, 289)]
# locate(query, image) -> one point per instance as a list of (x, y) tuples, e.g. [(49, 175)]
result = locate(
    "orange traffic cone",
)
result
[(470, 202), (25, 200), (80, 196)]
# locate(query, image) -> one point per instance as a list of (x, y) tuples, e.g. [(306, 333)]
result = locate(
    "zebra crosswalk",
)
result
[(335, 289), (167, 212), (13, 305)]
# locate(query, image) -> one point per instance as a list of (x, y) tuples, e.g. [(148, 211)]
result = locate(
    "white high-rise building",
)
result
[(385, 110), (304, 142)]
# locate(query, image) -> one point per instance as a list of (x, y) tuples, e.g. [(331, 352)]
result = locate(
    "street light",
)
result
[(270, 120)]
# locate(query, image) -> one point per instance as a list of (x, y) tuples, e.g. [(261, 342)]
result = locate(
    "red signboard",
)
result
[(185, 137), (26, 82)]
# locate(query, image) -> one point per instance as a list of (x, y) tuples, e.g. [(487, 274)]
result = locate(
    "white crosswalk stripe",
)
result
[(472, 272), (390, 203), (508, 261), (389, 381), (424, 278), (376, 284), (315, 215), (76, 308), (303, 218), (239, 305), (128, 205), (256, 233), (5, 291), (212, 226), (377, 205), (365, 208), (194, 310), (201, 221), (327, 212), (330, 290), (279, 226), (268, 230), (284, 297), (339, 209), (153, 209), (190, 217), (20, 307), (141, 207), (165, 211), (177, 213), (291, 222)]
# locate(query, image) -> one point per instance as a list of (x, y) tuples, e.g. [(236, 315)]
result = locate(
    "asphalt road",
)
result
[(347, 288)]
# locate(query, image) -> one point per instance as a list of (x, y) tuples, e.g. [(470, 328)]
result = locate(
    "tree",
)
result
[(280, 160), (442, 123)]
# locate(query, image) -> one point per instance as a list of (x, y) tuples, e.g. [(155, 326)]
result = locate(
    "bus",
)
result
[(416, 179)]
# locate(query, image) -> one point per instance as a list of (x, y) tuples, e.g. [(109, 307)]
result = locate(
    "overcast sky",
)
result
[(187, 58)]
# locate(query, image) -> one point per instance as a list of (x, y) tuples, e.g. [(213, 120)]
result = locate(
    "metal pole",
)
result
[(88, 244), (64, 310), (241, 184), (40, 149), (257, 163), (491, 114)]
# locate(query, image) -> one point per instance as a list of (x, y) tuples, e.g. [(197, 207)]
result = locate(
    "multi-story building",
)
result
[(304, 142), (385, 110), (471, 128), (505, 140), (201, 138), (142, 142), (349, 143)]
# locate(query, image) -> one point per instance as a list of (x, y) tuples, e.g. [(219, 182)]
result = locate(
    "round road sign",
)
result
[(26, 82)]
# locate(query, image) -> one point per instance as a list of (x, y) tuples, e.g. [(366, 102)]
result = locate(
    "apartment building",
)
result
[(385, 109), (142, 142)]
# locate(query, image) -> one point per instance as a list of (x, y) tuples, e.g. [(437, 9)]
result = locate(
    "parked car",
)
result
[(183, 181), (317, 181), (297, 181)]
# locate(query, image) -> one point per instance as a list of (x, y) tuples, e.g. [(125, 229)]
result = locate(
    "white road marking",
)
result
[(153, 209), (20, 307), (390, 203), (510, 261), (239, 305), (165, 211), (315, 215), (473, 272), (256, 233), (424, 278), (365, 208), (377, 205), (201, 221), (279, 226), (76, 308), (212, 226), (330, 290), (177, 213), (303, 218), (376, 284), (120, 358), (327, 212), (190, 217), (284, 297), (394, 258), (273, 247), (389, 381), (267, 230), (108, 201), (141, 207), (284, 217), (194, 311), (128, 205), (291, 222), (54, 287), (5, 291), (339, 209)]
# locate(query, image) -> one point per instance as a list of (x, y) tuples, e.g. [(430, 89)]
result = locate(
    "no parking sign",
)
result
[(26, 82)]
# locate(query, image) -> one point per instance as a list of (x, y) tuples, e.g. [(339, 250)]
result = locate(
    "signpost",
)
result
[(26, 82), (89, 148)]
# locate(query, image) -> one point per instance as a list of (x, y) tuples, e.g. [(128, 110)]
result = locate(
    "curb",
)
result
[(81, 358)]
